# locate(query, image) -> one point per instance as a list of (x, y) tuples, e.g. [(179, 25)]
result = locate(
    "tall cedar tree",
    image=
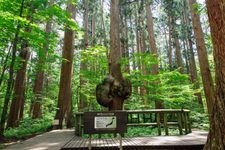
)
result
[(203, 58), (155, 68), (142, 40), (17, 105), (11, 75), (191, 56), (115, 55), (216, 13), (83, 65), (40, 74), (65, 88), (120, 89)]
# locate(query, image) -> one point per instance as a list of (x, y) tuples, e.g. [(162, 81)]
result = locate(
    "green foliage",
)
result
[(148, 131), (29, 127), (59, 16), (137, 132), (175, 87), (141, 131), (199, 120), (171, 87), (97, 67), (199, 8)]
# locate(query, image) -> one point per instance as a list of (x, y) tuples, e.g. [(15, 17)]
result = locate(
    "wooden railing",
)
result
[(160, 118)]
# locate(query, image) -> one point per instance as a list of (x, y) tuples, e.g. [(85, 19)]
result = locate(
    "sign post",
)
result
[(105, 122)]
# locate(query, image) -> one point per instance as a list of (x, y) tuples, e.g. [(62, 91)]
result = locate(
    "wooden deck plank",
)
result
[(84, 143), (70, 143), (77, 143), (113, 142), (193, 141)]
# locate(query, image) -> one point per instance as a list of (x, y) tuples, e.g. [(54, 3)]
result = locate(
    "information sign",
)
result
[(105, 122)]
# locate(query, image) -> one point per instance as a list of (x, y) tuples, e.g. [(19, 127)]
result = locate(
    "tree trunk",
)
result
[(83, 65), (17, 105), (124, 39), (93, 26), (11, 74), (137, 23), (65, 88), (40, 75), (151, 37), (16, 109), (170, 44), (103, 24), (155, 68), (134, 66), (114, 57), (186, 56), (143, 90), (203, 58), (216, 137), (4, 62), (179, 61), (191, 56)]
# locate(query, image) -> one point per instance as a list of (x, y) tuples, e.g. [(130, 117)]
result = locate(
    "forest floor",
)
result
[(52, 140)]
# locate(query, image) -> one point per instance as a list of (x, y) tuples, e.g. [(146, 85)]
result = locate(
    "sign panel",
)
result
[(105, 122)]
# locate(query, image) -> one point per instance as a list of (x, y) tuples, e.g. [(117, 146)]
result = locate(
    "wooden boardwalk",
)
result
[(193, 141)]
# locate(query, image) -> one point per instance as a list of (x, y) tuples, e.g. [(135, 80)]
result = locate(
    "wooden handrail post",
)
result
[(158, 123), (185, 122), (179, 117), (165, 124), (189, 122), (120, 138)]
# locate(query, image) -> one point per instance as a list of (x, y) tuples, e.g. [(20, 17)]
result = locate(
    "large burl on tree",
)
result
[(111, 93)]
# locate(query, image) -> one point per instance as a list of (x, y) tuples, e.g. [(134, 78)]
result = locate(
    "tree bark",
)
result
[(186, 56), (191, 55), (93, 27), (17, 105), (4, 62), (114, 57), (155, 68), (65, 88), (137, 23), (115, 54), (178, 55), (203, 58), (11, 74), (170, 49), (143, 90), (40, 75), (216, 137), (124, 37), (16, 109), (83, 65), (151, 37), (103, 24)]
